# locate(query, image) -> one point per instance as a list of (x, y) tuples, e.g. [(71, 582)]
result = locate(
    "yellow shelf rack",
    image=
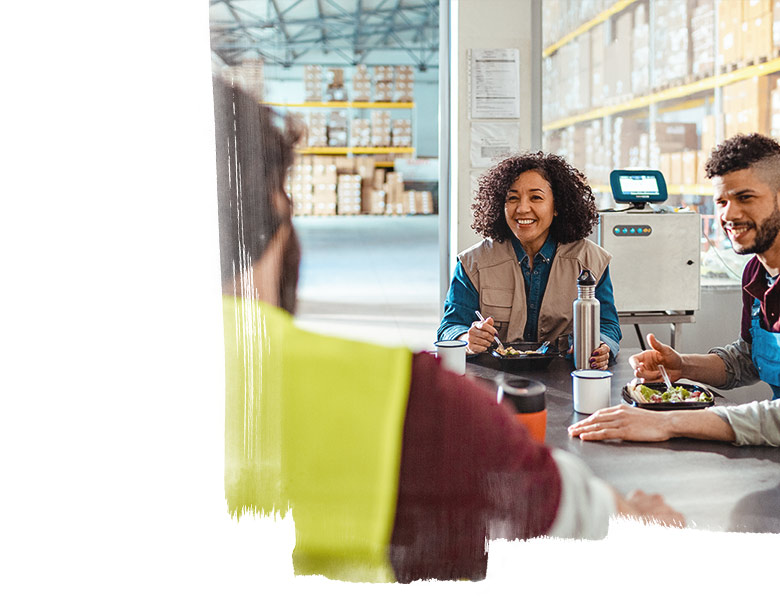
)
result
[(588, 25), (688, 89), (341, 104), (355, 150)]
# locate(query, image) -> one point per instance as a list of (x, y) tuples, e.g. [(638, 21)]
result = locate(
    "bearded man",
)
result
[(745, 172)]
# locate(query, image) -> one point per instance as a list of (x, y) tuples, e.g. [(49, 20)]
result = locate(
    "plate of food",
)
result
[(523, 356), (655, 396)]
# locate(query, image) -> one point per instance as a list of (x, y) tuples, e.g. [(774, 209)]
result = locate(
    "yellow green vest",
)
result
[(314, 423)]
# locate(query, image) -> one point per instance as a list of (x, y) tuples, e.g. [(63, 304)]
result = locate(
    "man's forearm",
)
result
[(699, 424), (706, 368)]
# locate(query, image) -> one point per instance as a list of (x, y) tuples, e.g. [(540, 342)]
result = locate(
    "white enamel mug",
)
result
[(453, 355), (591, 390)]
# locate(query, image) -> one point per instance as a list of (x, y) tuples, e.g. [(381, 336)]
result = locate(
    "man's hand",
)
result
[(650, 508), (646, 363), (480, 335), (624, 423)]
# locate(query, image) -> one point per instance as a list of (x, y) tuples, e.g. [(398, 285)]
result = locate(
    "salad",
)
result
[(643, 393), (509, 351)]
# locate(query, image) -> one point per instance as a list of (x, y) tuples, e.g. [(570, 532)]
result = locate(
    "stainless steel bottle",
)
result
[(586, 320)]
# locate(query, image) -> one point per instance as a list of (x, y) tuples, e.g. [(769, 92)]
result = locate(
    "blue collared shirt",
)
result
[(463, 300)]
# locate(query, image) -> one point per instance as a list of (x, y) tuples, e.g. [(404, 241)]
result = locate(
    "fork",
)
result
[(495, 337), (665, 375)]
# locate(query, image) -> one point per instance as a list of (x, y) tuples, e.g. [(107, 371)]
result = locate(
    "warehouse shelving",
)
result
[(681, 91), (706, 94), (587, 26), (354, 150)]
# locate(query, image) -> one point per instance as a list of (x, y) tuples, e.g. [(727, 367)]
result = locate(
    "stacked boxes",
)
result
[(360, 134), (640, 53), (418, 203), (404, 84), (746, 106), (336, 91), (617, 59), (349, 195), (625, 137), (312, 83), (401, 132), (361, 84), (324, 181), (394, 192), (300, 186), (757, 41), (337, 128), (677, 146), (364, 166), (671, 43), (776, 23), (703, 39), (775, 108), (318, 130), (383, 83), (377, 197), (597, 49), (380, 128), (730, 20)]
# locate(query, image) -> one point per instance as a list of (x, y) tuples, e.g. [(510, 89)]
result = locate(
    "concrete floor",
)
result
[(371, 278)]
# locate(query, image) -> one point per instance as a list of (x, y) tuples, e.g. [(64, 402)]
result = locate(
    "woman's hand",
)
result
[(480, 335), (600, 357), (646, 363)]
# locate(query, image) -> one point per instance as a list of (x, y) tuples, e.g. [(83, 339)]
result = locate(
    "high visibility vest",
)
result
[(314, 424)]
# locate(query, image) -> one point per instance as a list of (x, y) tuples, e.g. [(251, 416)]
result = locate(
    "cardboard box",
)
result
[(374, 203), (666, 166), (689, 166), (676, 137), (701, 160), (344, 165), (676, 169)]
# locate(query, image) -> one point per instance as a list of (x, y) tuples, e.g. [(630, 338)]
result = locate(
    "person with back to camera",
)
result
[(534, 211), (393, 467), (745, 173)]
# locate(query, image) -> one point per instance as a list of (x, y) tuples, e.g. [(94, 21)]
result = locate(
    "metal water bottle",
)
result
[(586, 320)]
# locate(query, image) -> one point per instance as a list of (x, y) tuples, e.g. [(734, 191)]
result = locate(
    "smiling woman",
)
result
[(534, 211)]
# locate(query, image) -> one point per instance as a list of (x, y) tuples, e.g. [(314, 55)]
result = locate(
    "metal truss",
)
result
[(348, 32)]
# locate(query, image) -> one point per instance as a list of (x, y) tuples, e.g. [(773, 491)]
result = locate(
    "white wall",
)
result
[(481, 24)]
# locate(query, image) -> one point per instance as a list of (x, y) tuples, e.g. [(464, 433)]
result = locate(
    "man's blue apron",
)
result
[(766, 351)]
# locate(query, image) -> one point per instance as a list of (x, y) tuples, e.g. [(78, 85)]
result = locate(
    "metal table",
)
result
[(716, 485)]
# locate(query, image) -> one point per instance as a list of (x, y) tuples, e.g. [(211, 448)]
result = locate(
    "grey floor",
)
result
[(371, 278)]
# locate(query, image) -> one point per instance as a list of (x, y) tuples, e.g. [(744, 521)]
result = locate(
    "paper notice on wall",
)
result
[(490, 142), (495, 83)]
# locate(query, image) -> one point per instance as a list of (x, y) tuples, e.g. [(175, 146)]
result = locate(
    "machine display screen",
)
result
[(638, 186)]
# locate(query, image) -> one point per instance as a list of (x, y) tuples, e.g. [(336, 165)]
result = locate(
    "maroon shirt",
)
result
[(755, 285), (466, 465)]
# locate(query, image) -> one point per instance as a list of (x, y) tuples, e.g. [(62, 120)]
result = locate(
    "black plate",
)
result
[(661, 387), (525, 362)]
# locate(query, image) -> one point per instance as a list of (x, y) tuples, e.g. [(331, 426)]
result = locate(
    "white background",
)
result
[(111, 431)]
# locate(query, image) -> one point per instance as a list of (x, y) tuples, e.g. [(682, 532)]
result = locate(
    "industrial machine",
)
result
[(655, 251)]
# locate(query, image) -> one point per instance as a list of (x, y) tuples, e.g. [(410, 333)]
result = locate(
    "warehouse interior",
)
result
[(114, 363), (386, 91)]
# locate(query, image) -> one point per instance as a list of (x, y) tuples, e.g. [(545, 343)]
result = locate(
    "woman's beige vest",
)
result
[(495, 273)]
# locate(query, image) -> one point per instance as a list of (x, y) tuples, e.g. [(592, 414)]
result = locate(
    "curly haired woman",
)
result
[(534, 211)]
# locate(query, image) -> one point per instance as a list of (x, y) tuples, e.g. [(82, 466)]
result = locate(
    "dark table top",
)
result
[(716, 485)]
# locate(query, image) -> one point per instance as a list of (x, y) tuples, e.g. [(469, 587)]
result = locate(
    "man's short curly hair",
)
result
[(573, 199), (741, 152)]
